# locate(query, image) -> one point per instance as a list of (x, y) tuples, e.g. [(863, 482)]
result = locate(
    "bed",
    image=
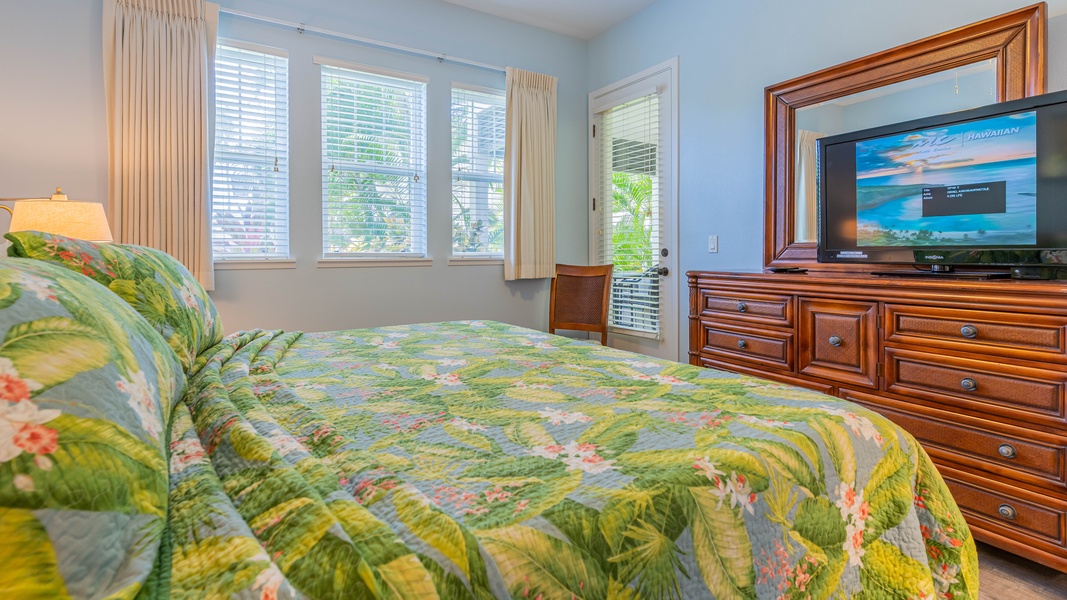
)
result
[(468, 459)]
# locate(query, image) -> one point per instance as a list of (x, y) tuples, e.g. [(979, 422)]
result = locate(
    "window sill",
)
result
[(255, 264), (474, 261), (346, 263), (632, 333)]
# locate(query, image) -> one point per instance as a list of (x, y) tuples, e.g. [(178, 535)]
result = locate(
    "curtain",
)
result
[(806, 195), (159, 58), (530, 176)]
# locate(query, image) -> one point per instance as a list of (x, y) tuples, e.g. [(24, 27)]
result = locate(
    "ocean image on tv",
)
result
[(972, 184)]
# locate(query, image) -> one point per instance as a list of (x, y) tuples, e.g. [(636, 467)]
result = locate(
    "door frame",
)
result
[(669, 345)]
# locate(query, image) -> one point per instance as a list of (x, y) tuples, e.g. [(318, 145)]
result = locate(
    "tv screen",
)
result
[(986, 186)]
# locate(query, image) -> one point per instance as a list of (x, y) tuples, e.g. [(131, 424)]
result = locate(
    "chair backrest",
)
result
[(580, 298)]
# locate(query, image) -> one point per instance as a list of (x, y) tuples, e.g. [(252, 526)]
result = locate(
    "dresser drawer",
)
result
[(764, 347), (976, 442), (1032, 396), (838, 340), (763, 309), (1026, 336), (772, 375), (1022, 516)]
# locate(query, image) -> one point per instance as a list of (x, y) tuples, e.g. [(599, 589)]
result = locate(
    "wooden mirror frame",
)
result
[(1016, 40)]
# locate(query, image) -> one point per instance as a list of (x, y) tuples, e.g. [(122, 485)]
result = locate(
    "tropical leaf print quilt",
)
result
[(482, 460)]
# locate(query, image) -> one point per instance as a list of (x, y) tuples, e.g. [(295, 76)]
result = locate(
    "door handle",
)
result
[(663, 271)]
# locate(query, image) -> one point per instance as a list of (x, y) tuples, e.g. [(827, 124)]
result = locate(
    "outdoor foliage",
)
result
[(250, 177), (471, 234), (373, 158), (477, 172), (633, 219)]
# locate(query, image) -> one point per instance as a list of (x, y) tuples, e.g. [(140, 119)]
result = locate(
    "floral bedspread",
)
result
[(482, 460)]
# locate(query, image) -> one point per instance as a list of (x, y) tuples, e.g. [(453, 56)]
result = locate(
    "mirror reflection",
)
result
[(946, 91)]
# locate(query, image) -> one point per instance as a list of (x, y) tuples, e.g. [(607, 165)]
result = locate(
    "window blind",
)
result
[(628, 158), (373, 162), (477, 172), (250, 175)]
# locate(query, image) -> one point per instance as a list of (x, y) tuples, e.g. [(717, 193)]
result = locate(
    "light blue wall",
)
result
[(52, 129), (52, 124), (728, 53)]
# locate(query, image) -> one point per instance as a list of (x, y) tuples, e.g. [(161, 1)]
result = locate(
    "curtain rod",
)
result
[(302, 28)]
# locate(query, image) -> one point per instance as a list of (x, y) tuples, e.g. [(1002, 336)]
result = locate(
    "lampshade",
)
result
[(81, 220)]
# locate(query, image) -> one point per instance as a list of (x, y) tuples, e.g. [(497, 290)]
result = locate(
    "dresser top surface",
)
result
[(1028, 295)]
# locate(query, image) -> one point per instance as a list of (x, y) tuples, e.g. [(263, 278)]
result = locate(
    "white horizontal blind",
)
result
[(250, 175), (477, 172), (628, 168), (373, 163)]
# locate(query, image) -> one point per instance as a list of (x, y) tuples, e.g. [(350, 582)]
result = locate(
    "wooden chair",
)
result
[(580, 298)]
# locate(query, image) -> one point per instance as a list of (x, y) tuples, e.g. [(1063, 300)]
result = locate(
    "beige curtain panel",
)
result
[(158, 63), (530, 176), (806, 174)]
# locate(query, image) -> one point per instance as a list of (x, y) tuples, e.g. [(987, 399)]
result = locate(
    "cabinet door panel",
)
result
[(838, 340)]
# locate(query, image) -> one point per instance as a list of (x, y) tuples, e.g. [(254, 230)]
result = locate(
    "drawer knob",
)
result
[(742, 307), (742, 344), (969, 384), (1007, 511), (969, 331), (835, 340), (1007, 451)]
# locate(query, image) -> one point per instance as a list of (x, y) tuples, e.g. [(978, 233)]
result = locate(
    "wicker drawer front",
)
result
[(766, 347), (764, 309), (838, 340), (1011, 515), (772, 375), (1028, 336), (1036, 395), (1002, 451)]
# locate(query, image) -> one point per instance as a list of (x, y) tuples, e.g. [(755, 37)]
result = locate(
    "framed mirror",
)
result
[(1002, 58)]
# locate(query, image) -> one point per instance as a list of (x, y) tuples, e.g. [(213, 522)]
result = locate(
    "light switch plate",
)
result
[(713, 243)]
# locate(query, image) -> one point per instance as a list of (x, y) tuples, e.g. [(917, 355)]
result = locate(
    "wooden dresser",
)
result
[(975, 370)]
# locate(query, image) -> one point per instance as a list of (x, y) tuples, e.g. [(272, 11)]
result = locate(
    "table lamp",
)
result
[(58, 215)]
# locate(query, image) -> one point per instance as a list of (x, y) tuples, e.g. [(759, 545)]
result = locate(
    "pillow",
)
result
[(151, 281), (86, 389)]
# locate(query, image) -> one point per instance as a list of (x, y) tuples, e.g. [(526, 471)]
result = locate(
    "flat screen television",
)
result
[(982, 187)]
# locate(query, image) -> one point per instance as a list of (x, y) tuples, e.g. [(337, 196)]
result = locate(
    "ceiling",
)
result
[(584, 19)]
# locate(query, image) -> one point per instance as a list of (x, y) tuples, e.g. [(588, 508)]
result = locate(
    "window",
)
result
[(628, 153), (373, 162), (250, 176), (477, 172)]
